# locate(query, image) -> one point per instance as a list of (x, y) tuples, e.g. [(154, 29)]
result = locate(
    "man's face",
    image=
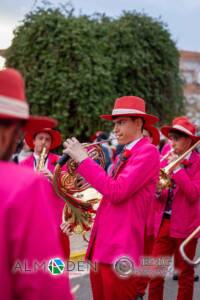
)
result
[(180, 143), (42, 139), (125, 129)]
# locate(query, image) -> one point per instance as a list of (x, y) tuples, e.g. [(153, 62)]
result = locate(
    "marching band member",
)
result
[(141, 282), (177, 210), (152, 133), (37, 139), (28, 231), (22, 152), (119, 225)]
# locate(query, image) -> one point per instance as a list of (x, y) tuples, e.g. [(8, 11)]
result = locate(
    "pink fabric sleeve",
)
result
[(190, 187), (137, 172)]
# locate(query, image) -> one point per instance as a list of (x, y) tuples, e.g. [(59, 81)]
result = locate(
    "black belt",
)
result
[(166, 216)]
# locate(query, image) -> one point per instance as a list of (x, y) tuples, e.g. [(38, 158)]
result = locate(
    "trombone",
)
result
[(167, 154), (182, 248), (164, 178)]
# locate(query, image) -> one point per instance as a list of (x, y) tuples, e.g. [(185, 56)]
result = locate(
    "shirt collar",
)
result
[(36, 156), (131, 144)]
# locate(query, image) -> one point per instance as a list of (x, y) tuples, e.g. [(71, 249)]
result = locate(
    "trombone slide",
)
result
[(182, 248)]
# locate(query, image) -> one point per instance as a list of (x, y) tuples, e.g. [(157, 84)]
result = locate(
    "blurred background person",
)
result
[(40, 139), (28, 224), (22, 151), (101, 136)]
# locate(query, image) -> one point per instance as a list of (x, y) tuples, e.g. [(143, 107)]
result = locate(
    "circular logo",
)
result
[(124, 266), (56, 266)]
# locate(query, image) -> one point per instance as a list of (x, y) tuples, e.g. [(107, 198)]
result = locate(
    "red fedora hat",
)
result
[(183, 125), (55, 137), (154, 133), (13, 104), (130, 106)]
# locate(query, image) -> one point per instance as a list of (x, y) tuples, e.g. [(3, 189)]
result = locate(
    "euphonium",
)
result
[(79, 196), (41, 161), (164, 178)]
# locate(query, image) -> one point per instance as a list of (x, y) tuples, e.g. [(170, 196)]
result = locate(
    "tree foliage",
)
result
[(75, 66)]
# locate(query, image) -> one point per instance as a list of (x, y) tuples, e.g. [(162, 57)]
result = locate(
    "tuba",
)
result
[(164, 178), (41, 161), (81, 199)]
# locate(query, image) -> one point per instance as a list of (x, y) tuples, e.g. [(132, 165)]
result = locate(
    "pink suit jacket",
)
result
[(185, 215), (29, 232), (121, 217), (52, 158)]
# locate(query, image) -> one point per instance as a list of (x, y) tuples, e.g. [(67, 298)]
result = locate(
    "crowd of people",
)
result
[(141, 218)]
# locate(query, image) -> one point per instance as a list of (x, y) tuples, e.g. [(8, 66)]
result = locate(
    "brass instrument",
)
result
[(41, 161), (182, 248), (167, 155), (164, 178), (81, 199)]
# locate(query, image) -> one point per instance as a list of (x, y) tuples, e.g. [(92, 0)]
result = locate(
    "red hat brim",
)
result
[(155, 134), (149, 119), (166, 129), (55, 135)]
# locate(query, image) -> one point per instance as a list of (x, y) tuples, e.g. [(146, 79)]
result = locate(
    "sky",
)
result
[(181, 16)]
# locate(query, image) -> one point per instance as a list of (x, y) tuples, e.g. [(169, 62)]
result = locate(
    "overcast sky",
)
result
[(181, 16)]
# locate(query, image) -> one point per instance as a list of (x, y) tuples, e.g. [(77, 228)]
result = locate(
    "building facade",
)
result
[(190, 73)]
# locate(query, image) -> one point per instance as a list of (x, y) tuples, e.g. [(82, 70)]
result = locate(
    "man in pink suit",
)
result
[(141, 282), (118, 233), (178, 210), (38, 138), (29, 236)]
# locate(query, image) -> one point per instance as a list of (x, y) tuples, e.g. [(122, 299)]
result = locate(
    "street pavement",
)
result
[(80, 279)]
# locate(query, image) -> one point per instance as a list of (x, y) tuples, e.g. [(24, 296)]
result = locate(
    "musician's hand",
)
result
[(66, 228), (75, 150), (47, 174), (159, 189)]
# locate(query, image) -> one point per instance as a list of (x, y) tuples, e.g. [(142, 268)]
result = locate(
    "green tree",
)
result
[(75, 66)]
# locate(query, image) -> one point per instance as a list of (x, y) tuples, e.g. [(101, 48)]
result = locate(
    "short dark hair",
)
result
[(143, 121), (174, 133)]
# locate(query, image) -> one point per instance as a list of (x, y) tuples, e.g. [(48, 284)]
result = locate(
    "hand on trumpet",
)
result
[(75, 150)]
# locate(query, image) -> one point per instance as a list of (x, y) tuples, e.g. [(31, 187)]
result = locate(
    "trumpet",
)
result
[(182, 248), (164, 178)]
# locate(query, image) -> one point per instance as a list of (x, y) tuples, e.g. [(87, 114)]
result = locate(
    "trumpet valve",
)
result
[(164, 180)]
